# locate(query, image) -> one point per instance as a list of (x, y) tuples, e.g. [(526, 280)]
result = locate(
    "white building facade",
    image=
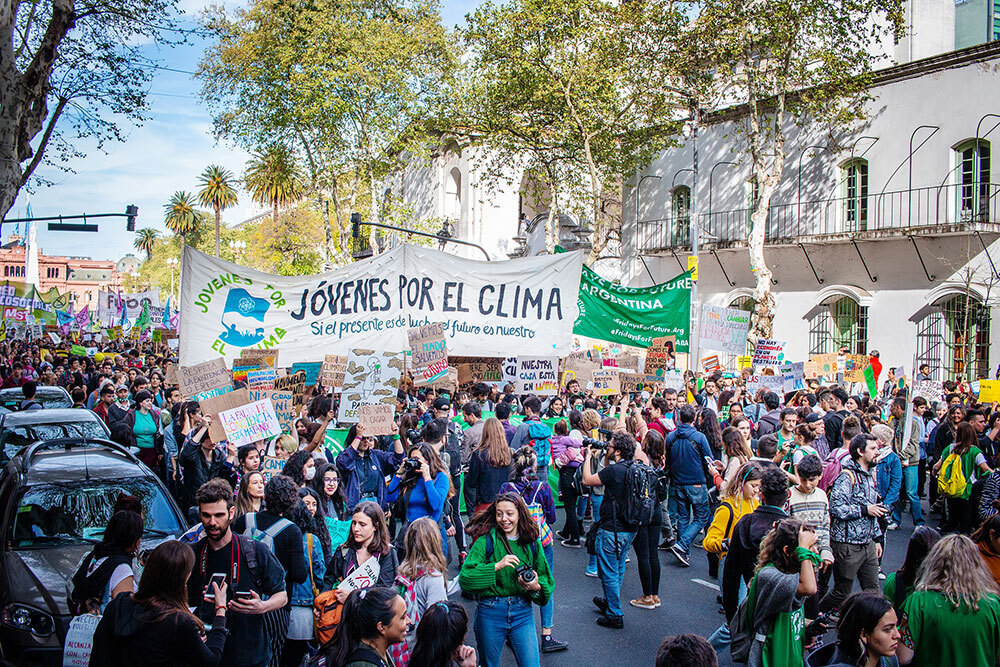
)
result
[(886, 242)]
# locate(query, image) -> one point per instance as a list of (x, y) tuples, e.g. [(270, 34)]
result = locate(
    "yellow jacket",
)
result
[(726, 516)]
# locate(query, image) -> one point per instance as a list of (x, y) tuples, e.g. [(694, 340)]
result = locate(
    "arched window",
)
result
[(953, 338), (453, 195), (728, 360), (680, 214), (839, 322), (855, 194), (973, 173)]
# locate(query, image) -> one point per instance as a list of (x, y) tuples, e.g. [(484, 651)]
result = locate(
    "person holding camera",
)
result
[(420, 487), (615, 534), (507, 570)]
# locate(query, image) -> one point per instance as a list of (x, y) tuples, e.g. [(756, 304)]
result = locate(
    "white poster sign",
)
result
[(364, 576), (724, 329), (489, 309), (771, 382), (250, 423), (371, 377), (769, 352), (792, 376), (80, 640), (538, 375)]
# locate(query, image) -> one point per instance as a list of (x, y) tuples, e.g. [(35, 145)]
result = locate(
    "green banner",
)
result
[(634, 315)]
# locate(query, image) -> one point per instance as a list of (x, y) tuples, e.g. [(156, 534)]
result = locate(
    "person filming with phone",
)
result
[(254, 579)]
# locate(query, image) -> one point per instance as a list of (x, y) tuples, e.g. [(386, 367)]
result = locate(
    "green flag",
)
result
[(870, 381), (144, 322)]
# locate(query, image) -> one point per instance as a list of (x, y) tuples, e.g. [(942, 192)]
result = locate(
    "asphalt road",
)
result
[(689, 606)]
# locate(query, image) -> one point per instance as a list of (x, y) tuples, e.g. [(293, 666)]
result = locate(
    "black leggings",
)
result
[(646, 552), (959, 519), (569, 497)]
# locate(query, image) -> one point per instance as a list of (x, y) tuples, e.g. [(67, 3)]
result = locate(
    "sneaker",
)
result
[(666, 544), (656, 600), (600, 603), (881, 575), (613, 622), (572, 544), (563, 535), (591, 573), (892, 526), (682, 557), (644, 602), (628, 559), (550, 644)]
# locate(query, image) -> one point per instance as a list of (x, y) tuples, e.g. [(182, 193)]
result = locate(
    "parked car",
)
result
[(26, 427), (49, 397), (56, 497)]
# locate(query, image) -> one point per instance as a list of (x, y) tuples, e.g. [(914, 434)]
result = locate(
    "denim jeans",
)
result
[(501, 619), (612, 549), (721, 637), (911, 483), (595, 501), (685, 501), (550, 606)]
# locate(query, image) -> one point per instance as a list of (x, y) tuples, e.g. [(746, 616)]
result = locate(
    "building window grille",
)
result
[(680, 212), (974, 180), (839, 323), (855, 177), (954, 338)]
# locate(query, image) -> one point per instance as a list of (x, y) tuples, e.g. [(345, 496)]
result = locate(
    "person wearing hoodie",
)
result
[(153, 626), (687, 450)]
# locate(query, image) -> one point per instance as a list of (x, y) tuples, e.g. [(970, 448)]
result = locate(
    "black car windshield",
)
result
[(78, 511), (16, 438), (12, 398)]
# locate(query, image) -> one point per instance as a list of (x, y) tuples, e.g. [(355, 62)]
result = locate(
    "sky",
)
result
[(165, 154)]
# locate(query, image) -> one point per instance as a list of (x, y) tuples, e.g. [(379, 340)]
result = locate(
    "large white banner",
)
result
[(108, 306), (489, 309)]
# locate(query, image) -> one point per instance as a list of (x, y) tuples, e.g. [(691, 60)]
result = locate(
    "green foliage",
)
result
[(218, 193), (273, 177), (180, 214), (145, 240)]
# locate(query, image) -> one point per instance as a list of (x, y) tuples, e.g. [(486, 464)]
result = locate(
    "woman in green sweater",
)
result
[(507, 570)]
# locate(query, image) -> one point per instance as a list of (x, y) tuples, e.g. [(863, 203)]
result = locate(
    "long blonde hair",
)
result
[(591, 419), (494, 444), (955, 569), (423, 549)]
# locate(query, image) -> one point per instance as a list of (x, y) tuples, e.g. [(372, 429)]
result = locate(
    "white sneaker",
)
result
[(881, 575)]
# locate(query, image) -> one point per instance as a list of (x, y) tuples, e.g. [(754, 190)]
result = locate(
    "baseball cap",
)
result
[(812, 418), (442, 404)]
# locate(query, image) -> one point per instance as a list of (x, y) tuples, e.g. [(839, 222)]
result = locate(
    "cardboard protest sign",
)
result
[(262, 379), (203, 377), (537, 375), (172, 380), (854, 367), (262, 357), (364, 576), (283, 403), (311, 369), (270, 466), (989, 391), (724, 329), (376, 419), (250, 423), (628, 361), (711, 364), (488, 370), (371, 377), (606, 382), (331, 373), (769, 352), (792, 377), (770, 382), (78, 350), (240, 372), (660, 356), (213, 405), (509, 367), (580, 366), (429, 353)]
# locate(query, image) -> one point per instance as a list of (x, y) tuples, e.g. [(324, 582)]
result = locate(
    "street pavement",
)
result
[(689, 606)]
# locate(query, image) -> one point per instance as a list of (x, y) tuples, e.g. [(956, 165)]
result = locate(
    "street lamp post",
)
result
[(237, 248)]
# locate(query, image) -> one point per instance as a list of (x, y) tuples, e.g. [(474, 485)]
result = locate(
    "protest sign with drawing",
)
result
[(372, 377), (769, 352)]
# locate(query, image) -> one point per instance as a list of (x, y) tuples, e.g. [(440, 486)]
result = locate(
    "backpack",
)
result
[(26, 404), (453, 445), (535, 510), (831, 468), (540, 439), (742, 629), (770, 420), (641, 483), (264, 535), (951, 480), (329, 612), (88, 590)]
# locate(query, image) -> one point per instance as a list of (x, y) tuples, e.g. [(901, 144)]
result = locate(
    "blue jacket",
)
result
[(349, 462), (302, 594), (888, 478), (686, 449), (426, 499)]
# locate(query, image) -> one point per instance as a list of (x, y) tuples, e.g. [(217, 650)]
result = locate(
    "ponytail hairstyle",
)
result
[(364, 610), (525, 462), (440, 632), (778, 547)]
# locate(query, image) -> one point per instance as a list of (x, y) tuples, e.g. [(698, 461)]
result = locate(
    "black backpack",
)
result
[(641, 484), (453, 445), (88, 591)]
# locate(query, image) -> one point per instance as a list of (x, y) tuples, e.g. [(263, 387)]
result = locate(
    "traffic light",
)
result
[(355, 225), (130, 212)]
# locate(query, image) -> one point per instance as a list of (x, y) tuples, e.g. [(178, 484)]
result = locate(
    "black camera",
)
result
[(413, 435), (525, 574), (595, 444), (411, 464)]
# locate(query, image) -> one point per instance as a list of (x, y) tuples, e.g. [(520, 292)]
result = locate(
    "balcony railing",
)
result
[(888, 211)]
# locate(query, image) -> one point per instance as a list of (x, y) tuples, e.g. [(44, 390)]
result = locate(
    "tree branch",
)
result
[(36, 159)]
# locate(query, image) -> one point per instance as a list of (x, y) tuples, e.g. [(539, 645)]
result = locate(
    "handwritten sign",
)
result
[(580, 366), (770, 382), (262, 379), (376, 419), (769, 352), (261, 358), (793, 377), (854, 367), (989, 391), (271, 466), (537, 375), (339, 530), (331, 373), (931, 390), (216, 404), (311, 369), (371, 377), (660, 356), (80, 640), (490, 370), (250, 423), (283, 403), (365, 576), (240, 372), (211, 374), (724, 329), (428, 353), (607, 382)]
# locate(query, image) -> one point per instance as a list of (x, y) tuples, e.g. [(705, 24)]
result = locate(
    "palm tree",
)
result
[(217, 192), (145, 240), (273, 178), (180, 214)]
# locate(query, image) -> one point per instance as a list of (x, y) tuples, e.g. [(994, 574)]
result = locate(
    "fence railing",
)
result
[(919, 207)]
